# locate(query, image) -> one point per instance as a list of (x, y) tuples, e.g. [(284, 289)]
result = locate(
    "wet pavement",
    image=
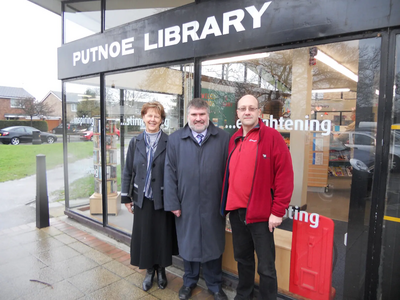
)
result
[(69, 261), (17, 197)]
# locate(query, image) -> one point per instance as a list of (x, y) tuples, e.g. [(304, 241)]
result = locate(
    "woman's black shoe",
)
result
[(161, 278), (148, 280)]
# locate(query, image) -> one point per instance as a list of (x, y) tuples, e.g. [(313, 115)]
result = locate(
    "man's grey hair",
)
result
[(198, 103)]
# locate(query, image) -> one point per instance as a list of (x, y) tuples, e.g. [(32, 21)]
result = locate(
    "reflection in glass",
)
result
[(327, 119), (389, 274), (125, 95), (81, 19), (82, 172), (119, 12)]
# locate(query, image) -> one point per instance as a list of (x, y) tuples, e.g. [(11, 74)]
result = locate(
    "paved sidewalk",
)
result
[(68, 261)]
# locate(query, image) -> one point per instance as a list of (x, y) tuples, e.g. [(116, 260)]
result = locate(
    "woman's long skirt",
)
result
[(153, 237)]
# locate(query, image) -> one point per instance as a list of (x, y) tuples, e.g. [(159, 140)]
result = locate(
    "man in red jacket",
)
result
[(257, 189)]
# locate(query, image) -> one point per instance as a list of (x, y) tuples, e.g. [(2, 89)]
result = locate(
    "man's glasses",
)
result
[(250, 108)]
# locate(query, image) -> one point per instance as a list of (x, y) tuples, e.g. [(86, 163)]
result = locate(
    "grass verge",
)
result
[(82, 188), (20, 161)]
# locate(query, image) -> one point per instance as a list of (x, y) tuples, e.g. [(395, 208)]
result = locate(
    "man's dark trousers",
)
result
[(246, 239), (212, 273)]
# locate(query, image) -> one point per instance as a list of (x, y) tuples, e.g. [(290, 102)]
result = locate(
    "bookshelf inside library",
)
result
[(111, 152)]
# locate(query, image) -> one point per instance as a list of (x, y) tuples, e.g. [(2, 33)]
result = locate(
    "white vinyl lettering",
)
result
[(289, 124), (314, 220), (326, 126), (211, 27), (172, 35), (127, 46), (190, 29), (256, 15), (297, 124), (233, 18), (139, 121), (295, 213), (314, 124)]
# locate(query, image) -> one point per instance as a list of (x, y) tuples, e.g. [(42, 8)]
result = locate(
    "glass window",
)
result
[(364, 139), (321, 112), (21, 129), (126, 94), (119, 12), (81, 171), (390, 265), (29, 129), (15, 103), (81, 19)]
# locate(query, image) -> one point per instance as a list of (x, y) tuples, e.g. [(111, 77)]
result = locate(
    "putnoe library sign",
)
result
[(217, 27), (173, 35)]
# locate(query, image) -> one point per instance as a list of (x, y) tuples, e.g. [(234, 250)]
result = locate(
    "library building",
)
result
[(327, 77)]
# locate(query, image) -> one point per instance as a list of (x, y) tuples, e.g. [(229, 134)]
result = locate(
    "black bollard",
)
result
[(42, 200), (36, 140)]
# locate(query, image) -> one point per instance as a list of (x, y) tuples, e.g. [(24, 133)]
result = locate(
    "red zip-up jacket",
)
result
[(272, 185)]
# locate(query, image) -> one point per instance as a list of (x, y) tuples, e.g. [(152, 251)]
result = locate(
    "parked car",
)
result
[(59, 129), (87, 135), (363, 145), (24, 134)]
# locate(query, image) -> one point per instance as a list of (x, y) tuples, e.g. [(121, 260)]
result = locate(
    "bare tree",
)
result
[(89, 106), (34, 108)]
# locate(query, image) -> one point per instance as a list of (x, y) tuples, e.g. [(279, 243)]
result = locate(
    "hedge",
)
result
[(41, 125)]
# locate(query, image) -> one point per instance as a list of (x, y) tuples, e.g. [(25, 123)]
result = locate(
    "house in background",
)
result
[(10, 107), (54, 100)]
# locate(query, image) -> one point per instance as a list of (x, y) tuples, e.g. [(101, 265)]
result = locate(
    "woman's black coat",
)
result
[(136, 165)]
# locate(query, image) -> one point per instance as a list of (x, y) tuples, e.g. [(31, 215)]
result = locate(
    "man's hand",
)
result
[(129, 207), (274, 222), (177, 213)]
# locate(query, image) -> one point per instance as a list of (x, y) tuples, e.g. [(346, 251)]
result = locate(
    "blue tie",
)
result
[(199, 138)]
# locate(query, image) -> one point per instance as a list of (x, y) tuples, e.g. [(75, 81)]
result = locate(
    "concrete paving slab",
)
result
[(69, 261)]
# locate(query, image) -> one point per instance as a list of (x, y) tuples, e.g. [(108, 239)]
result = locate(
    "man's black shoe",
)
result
[(219, 295), (185, 292)]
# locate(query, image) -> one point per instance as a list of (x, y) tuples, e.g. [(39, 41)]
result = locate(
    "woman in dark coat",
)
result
[(153, 236)]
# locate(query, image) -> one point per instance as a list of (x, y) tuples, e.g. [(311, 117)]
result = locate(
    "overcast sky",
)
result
[(29, 38)]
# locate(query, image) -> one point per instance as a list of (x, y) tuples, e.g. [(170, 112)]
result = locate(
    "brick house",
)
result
[(54, 100), (9, 102)]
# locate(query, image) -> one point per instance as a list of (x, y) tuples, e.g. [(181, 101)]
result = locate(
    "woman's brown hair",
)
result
[(155, 105)]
